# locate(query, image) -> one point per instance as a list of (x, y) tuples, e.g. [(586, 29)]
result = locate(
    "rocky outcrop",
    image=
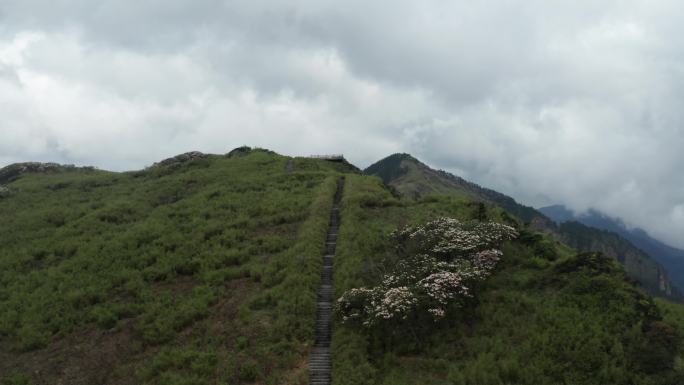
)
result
[(246, 150), (14, 171), (239, 151), (180, 159)]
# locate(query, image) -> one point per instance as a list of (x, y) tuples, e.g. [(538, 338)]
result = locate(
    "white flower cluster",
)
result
[(450, 257), (380, 303), (447, 236), (443, 286), (395, 302), (486, 260)]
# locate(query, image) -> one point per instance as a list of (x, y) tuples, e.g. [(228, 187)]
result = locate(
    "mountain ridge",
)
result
[(413, 178), (208, 270), (670, 257)]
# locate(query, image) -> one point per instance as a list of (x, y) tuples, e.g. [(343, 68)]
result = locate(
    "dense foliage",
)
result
[(651, 275), (440, 263), (204, 270), (201, 271), (547, 315), (412, 178)]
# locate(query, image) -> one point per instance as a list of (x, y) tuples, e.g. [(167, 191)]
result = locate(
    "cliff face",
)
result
[(413, 178), (669, 257), (638, 264)]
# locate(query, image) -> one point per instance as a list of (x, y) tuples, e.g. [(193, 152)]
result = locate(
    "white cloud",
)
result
[(124, 109), (576, 103)]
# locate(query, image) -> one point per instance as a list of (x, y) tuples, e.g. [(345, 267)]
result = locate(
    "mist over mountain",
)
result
[(175, 208), (670, 257), (514, 95), (413, 178)]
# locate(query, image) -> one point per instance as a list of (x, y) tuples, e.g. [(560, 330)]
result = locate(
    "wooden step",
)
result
[(320, 361)]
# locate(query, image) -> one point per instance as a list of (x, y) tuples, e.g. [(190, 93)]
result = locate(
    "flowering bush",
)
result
[(448, 237), (442, 261)]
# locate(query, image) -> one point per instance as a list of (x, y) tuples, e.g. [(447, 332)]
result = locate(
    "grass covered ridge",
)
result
[(202, 273), (547, 316), (204, 270)]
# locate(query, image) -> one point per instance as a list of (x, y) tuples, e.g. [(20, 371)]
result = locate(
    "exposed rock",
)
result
[(246, 150), (4, 191), (239, 151), (14, 171), (180, 159)]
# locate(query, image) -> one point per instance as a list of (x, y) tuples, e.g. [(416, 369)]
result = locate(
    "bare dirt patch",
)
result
[(81, 358)]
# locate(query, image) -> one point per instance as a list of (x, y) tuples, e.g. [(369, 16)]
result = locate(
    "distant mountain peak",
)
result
[(670, 257), (414, 179), (391, 168)]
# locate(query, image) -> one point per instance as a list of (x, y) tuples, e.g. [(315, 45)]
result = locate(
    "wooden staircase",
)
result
[(320, 362)]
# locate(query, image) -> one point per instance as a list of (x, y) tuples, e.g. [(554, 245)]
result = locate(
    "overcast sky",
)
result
[(575, 102)]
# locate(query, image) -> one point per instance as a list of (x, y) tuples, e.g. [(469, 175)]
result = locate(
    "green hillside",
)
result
[(547, 316), (413, 178), (197, 270), (203, 269)]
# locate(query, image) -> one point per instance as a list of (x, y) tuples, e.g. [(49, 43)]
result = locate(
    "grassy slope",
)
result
[(202, 274), (206, 274), (414, 179), (536, 321)]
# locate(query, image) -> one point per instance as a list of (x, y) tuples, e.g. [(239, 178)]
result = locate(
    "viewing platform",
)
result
[(330, 157)]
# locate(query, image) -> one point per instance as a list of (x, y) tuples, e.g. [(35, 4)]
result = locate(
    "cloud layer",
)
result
[(550, 102)]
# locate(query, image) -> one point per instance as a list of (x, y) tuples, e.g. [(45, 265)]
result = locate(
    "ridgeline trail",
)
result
[(320, 362)]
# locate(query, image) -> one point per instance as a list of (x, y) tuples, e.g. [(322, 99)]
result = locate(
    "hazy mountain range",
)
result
[(413, 178), (670, 257)]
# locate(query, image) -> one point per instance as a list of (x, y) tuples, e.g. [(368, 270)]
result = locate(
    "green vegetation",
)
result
[(413, 179), (204, 269), (645, 270), (546, 316)]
